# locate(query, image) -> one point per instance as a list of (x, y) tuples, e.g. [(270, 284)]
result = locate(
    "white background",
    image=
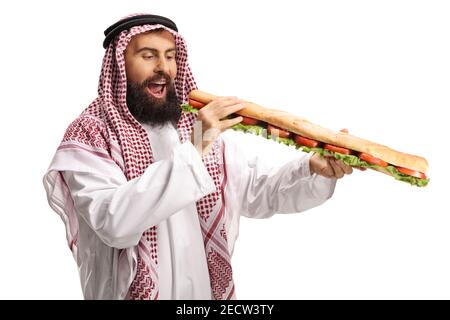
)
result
[(379, 68)]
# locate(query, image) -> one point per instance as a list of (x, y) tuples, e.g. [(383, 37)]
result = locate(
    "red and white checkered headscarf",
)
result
[(107, 128)]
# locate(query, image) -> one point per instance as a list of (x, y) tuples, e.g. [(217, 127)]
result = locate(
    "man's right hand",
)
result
[(210, 123)]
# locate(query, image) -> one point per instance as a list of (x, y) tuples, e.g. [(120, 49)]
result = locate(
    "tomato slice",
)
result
[(196, 104), (372, 160), (412, 173), (278, 131), (337, 149), (249, 121), (306, 142)]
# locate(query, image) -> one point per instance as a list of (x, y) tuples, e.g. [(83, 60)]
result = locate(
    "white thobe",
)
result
[(115, 212)]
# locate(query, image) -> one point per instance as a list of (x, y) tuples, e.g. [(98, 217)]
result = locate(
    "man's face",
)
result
[(151, 70)]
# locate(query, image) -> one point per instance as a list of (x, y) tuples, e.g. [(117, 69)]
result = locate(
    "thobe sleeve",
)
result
[(261, 190), (119, 211)]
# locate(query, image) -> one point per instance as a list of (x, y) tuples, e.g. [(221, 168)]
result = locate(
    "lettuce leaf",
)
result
[(286, 141), (350, 160), (403, 177), (188, 108), (257, 130), (354, 161)]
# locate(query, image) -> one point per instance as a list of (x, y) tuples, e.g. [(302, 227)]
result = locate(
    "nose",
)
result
[(162, 65)]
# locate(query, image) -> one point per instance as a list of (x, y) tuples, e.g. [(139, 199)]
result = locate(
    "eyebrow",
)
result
[(154, 51)]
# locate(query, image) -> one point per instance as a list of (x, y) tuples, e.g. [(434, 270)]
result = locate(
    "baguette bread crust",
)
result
[(308, 129)]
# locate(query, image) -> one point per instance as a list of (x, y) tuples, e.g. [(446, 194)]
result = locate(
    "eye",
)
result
[(148, 57)]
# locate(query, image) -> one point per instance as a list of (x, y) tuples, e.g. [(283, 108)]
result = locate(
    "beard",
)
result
[(149, 109)]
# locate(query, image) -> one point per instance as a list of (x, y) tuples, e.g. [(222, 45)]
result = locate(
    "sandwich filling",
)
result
[(260, 129)]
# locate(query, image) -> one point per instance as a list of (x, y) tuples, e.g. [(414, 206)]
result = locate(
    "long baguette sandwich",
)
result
[(295, 131)]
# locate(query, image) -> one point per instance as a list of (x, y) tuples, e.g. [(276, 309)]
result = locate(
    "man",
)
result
[(150, 211)]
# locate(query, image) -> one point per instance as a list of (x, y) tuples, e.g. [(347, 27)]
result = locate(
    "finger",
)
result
[(225, 101), (228, 123), (226, 110), (327, 171), (218, 102), (338, 172), (345, 130), (227, 98), (346, 168), (325, 168), (219, 109)]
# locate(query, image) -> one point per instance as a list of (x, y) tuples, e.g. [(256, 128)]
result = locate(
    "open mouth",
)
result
[(158, 90)]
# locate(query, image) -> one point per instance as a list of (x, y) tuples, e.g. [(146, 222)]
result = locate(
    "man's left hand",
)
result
[(328, 167)]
